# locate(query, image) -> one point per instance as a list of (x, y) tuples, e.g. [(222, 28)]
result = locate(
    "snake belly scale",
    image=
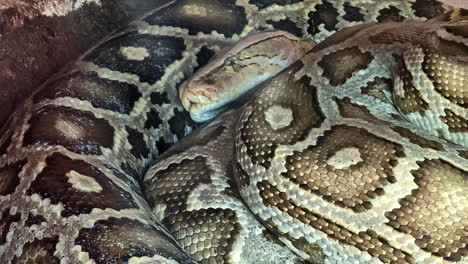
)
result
[(73, 156)]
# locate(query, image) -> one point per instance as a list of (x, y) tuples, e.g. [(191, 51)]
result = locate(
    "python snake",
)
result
[(72, 157)]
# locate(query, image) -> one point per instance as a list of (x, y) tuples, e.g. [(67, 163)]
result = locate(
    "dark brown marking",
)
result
[(9, 177), (179, 122), (450, 49), (5, 221), (152, 119), (6, 133), (100, 242), (34, 220), (340, 65), (377, 87), (199, 137), (368, 241), (390, 14), (78, 131), (458, 30), (138, 143), (172, 186), (325, 14), (162, 51), (267, 3), (158, 98), (130, 171), (224, 17), (430, 215), (355, 185), (455, 123), (412, 100), (428, 8), (128, 175), (204, 55), (418, 140), (350, 110), (52, 183), (100, 92), (352, 13), (283, 90), (286, 25), (40, 251)]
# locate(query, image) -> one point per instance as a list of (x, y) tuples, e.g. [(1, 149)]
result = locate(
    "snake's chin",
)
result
[(204, 112)]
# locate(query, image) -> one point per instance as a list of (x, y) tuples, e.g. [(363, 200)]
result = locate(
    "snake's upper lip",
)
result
[(191, 99)]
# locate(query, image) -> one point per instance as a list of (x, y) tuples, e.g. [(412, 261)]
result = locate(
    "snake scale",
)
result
[(337, 174)]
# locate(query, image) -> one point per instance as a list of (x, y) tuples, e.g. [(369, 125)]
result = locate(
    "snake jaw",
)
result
[(199, 102)]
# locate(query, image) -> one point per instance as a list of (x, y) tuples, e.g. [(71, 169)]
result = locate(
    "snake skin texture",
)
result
[(190, 188), (73, 156), (356, 153)]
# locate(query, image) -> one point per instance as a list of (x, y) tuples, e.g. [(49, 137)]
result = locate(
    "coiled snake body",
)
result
[(322, 157)]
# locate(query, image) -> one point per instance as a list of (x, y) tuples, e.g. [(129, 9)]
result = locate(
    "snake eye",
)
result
[(229, 61)]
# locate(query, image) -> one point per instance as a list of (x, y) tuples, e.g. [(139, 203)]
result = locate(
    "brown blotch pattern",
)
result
[(173, 185), (353, 186), (39, 251), (449, 76), (428, 8), (224, 17), (411, 101), (390, 14), (6, 135), (85, 134), (352, 13), (34, 220), (377, 87), (199, 137), (458, 30), (325, 14), (340, 65), (297, 95), (418, 140), (206, 234), (368, 241), (134, 239), (138, 143), (52, 183), (447, 48), (9, 178), (101, 93), (455, 123), (350, 110), (5, 221), (431, 213)]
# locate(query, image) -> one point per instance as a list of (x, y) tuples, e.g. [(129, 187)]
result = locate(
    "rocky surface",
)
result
[(38, 37)]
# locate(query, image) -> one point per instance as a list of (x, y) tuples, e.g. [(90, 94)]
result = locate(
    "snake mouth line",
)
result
[(210, 107)]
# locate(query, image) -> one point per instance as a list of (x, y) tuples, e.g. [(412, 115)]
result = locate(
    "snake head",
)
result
[(237, 70)]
